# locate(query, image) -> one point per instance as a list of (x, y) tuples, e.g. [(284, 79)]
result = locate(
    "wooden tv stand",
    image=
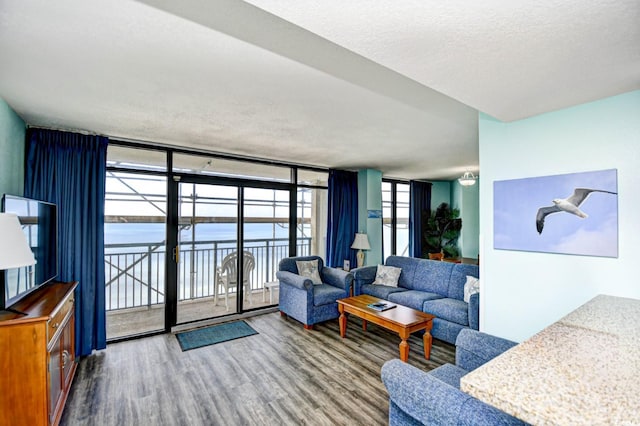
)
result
[(37, 356)]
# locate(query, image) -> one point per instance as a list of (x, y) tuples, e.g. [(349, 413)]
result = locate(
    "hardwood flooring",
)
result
[(283, 375)]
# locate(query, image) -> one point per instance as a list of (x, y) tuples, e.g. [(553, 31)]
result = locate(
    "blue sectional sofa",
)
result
[(430, 286), (417, 397)]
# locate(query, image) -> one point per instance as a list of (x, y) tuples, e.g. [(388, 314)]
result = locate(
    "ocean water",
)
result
[(145, 233)]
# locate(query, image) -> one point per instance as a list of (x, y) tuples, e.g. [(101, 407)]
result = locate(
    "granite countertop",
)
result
[(583, 369)]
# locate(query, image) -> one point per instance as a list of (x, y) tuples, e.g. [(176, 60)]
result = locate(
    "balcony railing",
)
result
[(134, 273)]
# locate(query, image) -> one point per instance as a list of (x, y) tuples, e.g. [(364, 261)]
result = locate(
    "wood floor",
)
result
[(284, 375)]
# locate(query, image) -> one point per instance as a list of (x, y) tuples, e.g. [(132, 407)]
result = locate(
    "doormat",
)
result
[(215, 334)]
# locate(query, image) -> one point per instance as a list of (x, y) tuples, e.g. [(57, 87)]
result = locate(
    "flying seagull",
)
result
[(569, 205)]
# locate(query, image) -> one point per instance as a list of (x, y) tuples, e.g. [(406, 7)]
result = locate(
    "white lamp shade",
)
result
[(14, 247), (361, 242)]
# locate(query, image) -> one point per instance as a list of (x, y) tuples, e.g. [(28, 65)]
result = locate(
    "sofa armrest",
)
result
[(474, 311), (474, 348), (363, 275), (294, 280), (338, 278), (429, 400), (422, 396)]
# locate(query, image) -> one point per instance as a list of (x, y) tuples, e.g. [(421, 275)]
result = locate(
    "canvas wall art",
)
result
[(573, 213)]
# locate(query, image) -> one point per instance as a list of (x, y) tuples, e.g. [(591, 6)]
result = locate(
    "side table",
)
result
[(269, 285)]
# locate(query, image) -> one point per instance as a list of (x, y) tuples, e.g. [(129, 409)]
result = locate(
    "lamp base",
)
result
[(360, 258)]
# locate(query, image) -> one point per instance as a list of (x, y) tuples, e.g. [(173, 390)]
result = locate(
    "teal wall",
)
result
[(524, 292), (370, 198), (440, 193), (467, 200), (12, 135)]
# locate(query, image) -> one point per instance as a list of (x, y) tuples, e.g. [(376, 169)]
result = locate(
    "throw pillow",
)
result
[(387, 275), (309, 269), (472, 286)]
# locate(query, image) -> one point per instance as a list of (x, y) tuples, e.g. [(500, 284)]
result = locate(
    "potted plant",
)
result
[(441, 231)]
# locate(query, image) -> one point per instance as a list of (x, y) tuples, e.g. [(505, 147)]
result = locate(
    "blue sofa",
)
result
[(309, 303), (417, 397), (430, 286)]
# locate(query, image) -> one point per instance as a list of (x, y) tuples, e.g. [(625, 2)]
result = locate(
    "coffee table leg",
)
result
[(364, 325), (343, 321), (427, 339), (404, 347)]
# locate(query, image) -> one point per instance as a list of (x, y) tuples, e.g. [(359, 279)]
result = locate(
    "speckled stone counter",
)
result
[(581, 370)]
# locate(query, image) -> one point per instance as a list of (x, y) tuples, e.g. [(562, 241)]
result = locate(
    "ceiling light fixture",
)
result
[(467, 179)]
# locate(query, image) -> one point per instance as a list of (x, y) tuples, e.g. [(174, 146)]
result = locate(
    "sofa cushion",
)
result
[(408, 266), (387, 275), (449, 373), (472, 286), (380, 291), (309, 269), (324, 294), (459, 278), (432, 276), (448, 309), (412, 298)]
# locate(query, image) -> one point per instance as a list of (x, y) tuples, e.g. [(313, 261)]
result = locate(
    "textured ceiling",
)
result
[(393, 86)]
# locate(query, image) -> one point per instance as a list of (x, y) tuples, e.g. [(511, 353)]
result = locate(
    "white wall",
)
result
[(524, 292)]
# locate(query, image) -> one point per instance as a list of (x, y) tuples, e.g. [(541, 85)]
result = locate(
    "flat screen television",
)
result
[(39, 222)]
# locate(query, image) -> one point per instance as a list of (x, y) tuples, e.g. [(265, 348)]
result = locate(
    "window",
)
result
[(395, 218), (202, 207), (312, 212)]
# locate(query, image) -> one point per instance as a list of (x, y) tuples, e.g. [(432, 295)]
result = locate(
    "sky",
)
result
[(516, 203)]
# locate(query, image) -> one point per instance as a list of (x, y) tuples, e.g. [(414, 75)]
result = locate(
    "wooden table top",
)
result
[(400, 315)]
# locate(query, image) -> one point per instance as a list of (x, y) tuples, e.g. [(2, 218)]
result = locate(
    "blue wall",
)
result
[(12, 134), (524, 292)]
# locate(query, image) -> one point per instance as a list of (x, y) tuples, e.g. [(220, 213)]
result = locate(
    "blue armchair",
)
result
[(417, 397), (309, 303)]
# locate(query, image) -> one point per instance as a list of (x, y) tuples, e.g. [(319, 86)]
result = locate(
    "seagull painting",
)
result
[(569, 205)]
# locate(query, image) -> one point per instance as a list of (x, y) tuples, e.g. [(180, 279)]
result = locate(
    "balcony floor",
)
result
[(127, 322)]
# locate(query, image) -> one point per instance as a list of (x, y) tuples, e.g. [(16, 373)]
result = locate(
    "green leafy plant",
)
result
[(441, 229)]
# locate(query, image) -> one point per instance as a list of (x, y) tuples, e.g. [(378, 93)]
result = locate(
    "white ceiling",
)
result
[(389, 85)]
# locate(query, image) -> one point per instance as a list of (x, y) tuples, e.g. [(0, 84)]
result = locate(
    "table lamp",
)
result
[(361, 242), (14, 247)]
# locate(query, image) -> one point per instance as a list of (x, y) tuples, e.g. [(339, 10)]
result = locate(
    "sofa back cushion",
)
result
[(289, 263), (408, 266), (433, 276), (459, 278)]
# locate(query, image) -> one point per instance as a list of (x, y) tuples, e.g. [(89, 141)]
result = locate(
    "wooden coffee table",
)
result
[(401, 319)]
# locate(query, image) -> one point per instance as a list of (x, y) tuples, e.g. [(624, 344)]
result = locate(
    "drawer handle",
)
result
[(65, 358), (55, 325)]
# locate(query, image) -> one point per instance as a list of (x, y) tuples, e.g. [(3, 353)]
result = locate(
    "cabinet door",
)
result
[(68, 352), (55, 377)]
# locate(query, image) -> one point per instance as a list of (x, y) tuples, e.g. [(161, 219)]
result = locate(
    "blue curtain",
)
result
[(419, 205), (68, 169), (342, 218)]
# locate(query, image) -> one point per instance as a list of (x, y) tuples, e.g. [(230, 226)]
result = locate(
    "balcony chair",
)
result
[(227, 275), (309, 302), (418, 397)]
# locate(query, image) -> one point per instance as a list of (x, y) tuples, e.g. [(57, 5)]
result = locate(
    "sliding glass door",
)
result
[(208, 247), (230, 239), (265, 242)]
